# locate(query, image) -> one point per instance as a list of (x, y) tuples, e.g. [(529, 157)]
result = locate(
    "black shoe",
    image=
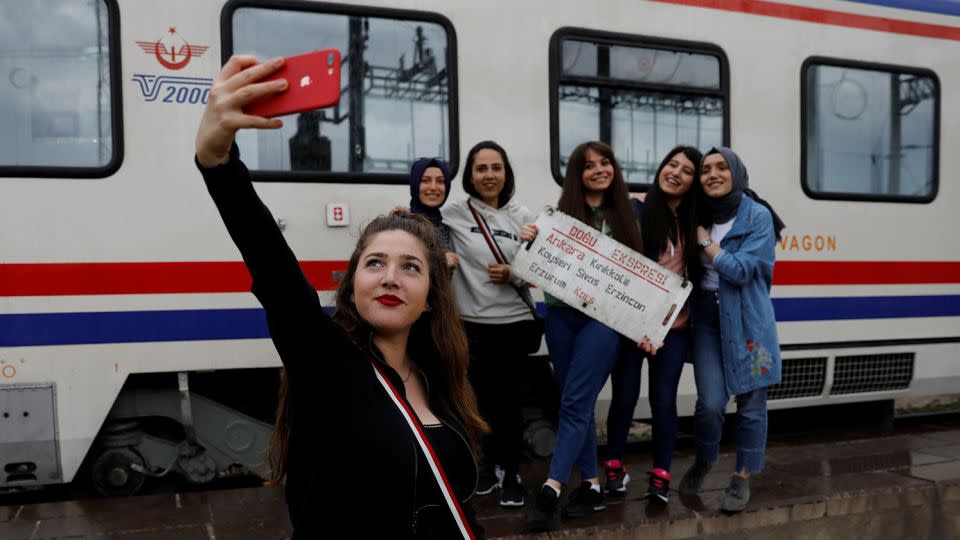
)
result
[(584, 501), (658, 491), (511, 492), (489, 481), (617, 478), (544, 512), (737, 494), (693, 479)]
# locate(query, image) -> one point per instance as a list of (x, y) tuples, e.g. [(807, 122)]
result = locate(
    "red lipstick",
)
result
[(389, 300)]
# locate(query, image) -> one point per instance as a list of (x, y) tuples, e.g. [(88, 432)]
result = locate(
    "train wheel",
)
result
[(112, 473)]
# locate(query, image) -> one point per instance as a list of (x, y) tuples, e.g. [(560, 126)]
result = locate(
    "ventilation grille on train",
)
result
[(801, 377), (872, 373)]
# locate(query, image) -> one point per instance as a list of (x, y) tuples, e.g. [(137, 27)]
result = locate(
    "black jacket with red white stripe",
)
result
[(353, 462)]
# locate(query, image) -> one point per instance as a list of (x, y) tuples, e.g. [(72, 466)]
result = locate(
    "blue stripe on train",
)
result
[(946, 7), (865, 307), (30, 329), (36, 329)]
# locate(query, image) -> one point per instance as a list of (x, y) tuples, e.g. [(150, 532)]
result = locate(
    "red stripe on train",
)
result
[(866, 272), (65, 279), (68, 279), (824, 16)]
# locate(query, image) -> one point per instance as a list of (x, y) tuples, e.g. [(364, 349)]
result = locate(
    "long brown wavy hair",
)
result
[(617, 210), (437, 341)]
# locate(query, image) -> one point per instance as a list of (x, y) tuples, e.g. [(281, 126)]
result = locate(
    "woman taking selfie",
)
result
[(668, 220), (736, 351), (583, 350), (495, 306), (375, 403)]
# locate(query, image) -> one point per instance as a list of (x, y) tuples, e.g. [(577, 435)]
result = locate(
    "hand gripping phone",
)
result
[(313, 82)]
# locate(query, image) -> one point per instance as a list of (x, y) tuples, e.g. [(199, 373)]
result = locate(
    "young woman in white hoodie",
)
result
[(494, 314)]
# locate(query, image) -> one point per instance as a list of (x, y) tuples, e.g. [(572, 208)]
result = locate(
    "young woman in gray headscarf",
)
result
[(735, 346)]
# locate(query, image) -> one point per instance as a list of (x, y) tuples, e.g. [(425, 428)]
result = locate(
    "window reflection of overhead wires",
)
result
[(422, 82), (698, 105), (914, 90)]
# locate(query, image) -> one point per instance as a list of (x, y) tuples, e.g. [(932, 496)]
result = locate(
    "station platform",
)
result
[(899, 482)]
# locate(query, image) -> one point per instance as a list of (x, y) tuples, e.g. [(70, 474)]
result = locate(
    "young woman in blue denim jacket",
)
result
[(669, 223), (582, 349), (736, 351)]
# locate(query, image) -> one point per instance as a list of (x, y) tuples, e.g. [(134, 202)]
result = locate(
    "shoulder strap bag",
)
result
[(428, 452), (533, 335)]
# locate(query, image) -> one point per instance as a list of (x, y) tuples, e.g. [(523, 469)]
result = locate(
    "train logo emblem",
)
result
[(172, 51)]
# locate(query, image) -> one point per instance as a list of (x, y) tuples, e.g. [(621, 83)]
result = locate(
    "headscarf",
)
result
[(416, 172), (723, 209)]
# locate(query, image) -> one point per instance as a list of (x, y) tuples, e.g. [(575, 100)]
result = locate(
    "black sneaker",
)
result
[(737, 494), (584, 501), (511, 492), (658, 491), (693, 478), (617, 478), (544, 512), (489, 481)]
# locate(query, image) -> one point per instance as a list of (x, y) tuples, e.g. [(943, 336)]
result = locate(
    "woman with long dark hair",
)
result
[(736, 350), (668, 218), (582, 349), (494, 305), (377, 423)]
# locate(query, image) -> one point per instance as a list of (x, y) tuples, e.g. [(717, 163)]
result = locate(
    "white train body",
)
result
[(121, 265)]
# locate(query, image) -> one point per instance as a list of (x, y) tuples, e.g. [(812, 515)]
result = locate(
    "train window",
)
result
[(59, 97), (869, 131), (641, 95), (398, 91)]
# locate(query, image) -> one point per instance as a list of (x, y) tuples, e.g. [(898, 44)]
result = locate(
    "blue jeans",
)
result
[(583, 351), (712, 394), (665, 370)]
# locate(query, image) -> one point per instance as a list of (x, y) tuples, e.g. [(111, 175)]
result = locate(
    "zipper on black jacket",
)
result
[(447, 423), (473, 458)]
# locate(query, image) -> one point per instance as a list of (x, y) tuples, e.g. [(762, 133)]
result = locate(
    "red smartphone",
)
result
[(313, 82)]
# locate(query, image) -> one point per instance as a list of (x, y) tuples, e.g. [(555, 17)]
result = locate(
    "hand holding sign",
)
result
[(601, 277), (648, 347), (529, 232)]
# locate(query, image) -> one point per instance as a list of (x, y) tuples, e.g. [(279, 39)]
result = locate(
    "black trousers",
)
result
[(496, 368)]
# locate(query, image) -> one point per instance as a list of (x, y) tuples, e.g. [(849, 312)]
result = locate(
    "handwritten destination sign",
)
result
[(601, 277)]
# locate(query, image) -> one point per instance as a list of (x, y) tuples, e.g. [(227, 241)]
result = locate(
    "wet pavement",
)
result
[(896, 483)]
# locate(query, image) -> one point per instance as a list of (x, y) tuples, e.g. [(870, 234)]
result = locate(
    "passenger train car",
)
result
[(129, 342)]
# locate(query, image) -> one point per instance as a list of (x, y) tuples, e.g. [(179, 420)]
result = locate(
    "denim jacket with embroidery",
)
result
[(748, 330)]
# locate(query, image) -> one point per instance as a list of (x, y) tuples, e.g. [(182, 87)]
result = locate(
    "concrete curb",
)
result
[(922, 510)]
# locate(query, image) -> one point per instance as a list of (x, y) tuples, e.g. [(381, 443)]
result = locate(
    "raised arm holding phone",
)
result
[(373, 407)]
